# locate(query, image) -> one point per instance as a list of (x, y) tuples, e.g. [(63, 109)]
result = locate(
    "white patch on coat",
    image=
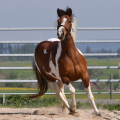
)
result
[(79, 51), (58, 54), (45, 51), (55, 70), (52, 67), (53, 39)]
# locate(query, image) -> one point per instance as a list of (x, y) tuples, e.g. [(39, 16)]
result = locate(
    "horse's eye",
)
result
[(69, 22)]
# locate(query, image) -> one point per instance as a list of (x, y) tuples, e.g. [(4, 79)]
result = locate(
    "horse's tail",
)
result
[(42, 83)]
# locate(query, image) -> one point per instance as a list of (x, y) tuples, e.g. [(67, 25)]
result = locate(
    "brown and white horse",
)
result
[(60, 60)]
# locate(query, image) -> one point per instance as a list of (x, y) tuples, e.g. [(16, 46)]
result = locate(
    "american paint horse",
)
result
[(60, 60)]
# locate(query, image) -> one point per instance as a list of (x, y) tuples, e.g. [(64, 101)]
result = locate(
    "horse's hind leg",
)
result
[(59, 93), (86, 82), (61, 87)]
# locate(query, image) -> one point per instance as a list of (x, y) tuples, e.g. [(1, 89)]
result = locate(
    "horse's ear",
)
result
[(59, 12), (69, 12)]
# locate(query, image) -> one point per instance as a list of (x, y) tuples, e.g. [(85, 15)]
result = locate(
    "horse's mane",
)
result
[(73, 22), (74, 27)]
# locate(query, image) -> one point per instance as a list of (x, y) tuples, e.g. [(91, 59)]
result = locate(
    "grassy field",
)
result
[(28, 74), (81, 96), (18, 101), (105, 62)]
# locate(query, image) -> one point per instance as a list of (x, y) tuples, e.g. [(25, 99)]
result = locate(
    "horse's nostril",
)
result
[(62, 33)]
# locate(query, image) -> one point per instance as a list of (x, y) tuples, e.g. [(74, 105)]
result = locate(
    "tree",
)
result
[(88, 50), (1, 48), (118, 51)]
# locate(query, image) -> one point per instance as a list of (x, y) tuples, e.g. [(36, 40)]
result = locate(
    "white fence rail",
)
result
[(89, 67), (53, 28), (34, 81), (78, 41), (85, 54)]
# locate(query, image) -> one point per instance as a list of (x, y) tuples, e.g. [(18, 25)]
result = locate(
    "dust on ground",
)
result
[(53, 113)]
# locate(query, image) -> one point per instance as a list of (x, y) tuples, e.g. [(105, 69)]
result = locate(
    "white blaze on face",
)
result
[(61, 27), (63, 21)]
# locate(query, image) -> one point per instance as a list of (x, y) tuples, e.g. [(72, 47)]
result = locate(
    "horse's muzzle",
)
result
[(60, 35)]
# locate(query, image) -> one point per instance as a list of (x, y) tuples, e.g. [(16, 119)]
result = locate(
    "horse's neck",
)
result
[(68, 45)]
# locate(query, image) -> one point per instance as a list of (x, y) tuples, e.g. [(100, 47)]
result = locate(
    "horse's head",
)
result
[(64, 23)]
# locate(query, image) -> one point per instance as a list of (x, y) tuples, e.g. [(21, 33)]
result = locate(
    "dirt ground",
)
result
[(54, 113)]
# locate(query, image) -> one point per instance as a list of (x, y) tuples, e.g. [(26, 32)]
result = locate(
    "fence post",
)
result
[(119, 76), (3, 99), (111, 87)]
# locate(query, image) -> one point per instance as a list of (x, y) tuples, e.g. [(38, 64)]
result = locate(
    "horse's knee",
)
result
[(71, 89)]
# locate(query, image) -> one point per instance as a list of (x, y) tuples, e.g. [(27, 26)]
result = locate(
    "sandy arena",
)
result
[(54, 113)]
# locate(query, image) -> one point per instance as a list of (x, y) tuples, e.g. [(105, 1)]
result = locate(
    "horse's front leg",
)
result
[(91, 98), (86, 82), (72, 92), (66, 81)]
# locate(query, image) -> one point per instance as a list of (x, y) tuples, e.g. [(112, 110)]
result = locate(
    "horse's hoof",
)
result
[(72, 111), (99, 114), (75, 113)]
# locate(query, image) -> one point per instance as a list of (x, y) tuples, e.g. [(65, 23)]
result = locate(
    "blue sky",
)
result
[(42, 13)]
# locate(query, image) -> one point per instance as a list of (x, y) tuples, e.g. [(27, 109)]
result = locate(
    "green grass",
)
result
[(77, 96), (28, 74), (103, 62), (21, 101), (15, 63), (87, 105), (21, 74)]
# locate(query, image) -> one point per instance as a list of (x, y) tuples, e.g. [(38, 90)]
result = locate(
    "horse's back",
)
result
[(46, 45)]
